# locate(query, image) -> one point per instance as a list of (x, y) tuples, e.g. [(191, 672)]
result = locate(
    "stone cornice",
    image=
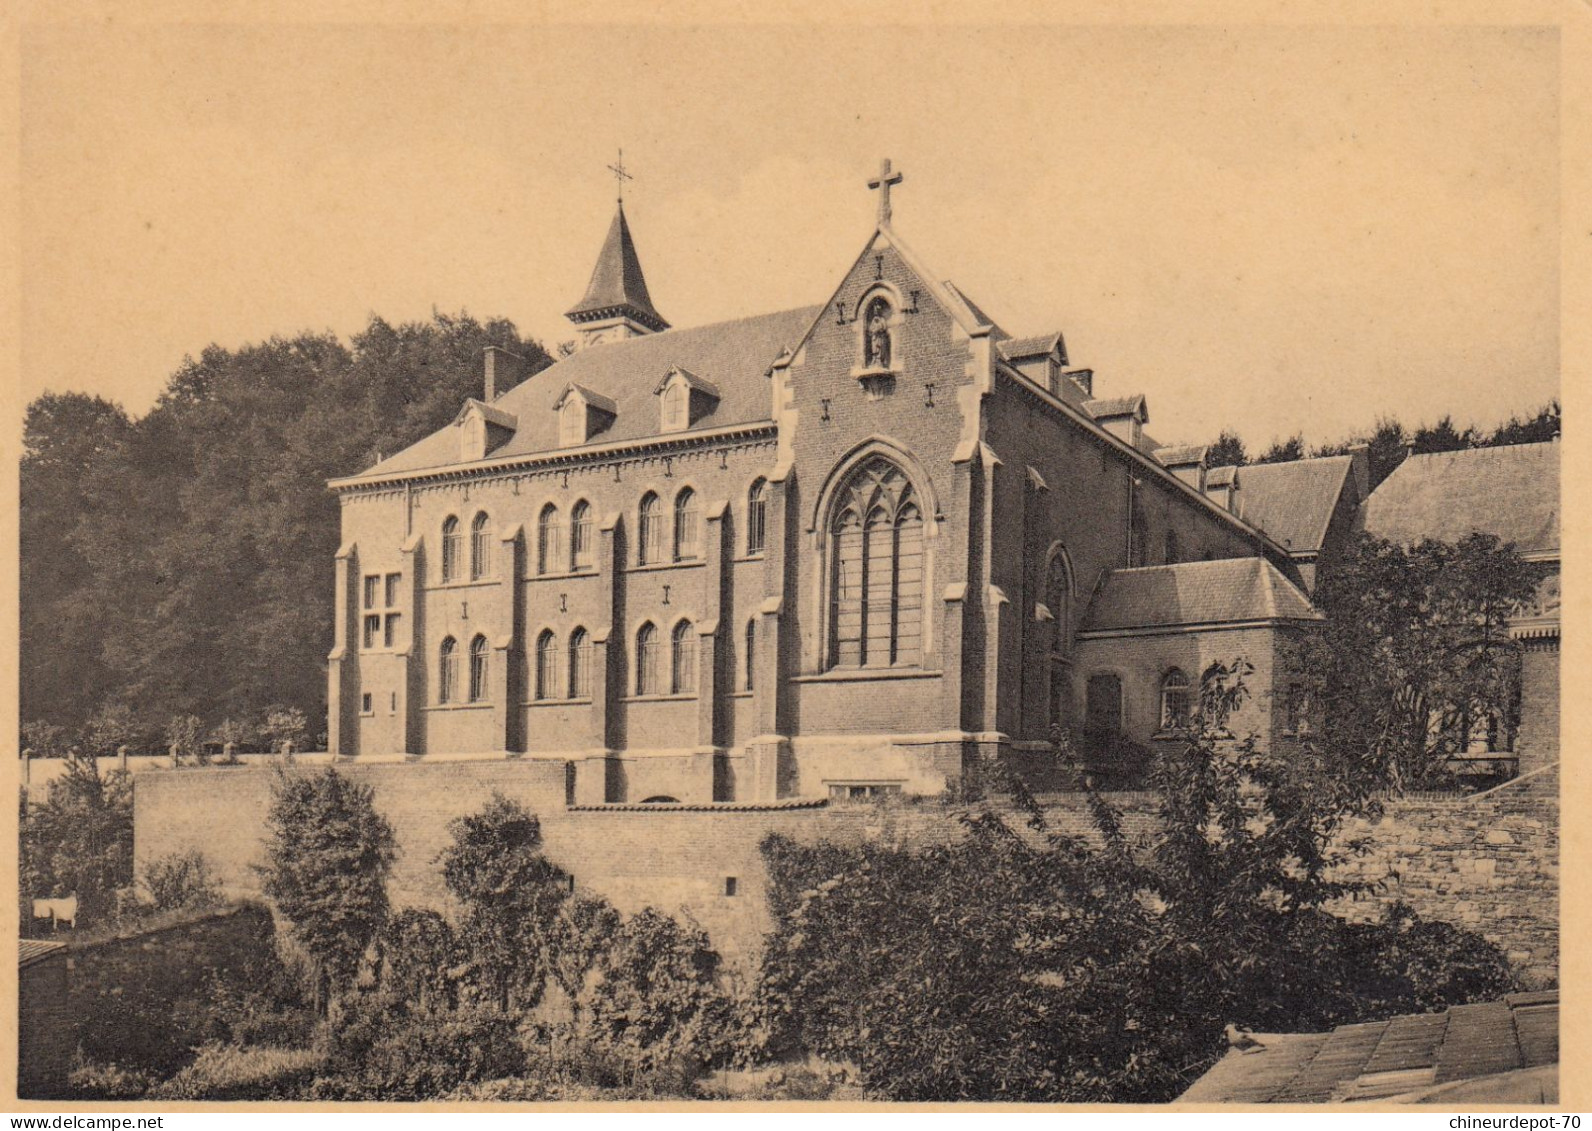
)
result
[(647, 446)]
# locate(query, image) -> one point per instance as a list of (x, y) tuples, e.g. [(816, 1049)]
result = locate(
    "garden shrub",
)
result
[(181, 880), (229, 1072), (383, 1051)]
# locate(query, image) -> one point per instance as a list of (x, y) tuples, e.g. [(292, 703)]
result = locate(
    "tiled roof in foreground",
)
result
[(1497, 1051), (1231, 590)]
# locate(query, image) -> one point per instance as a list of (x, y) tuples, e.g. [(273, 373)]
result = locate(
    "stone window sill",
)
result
[(582, 702), (859, 675), (652, 567), (469, 583), (564, 575), (740, 694), (657, 698), (457, 707)]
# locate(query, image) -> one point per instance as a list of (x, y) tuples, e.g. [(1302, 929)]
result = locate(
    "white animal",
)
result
[(1242, 1039), (57, 911)]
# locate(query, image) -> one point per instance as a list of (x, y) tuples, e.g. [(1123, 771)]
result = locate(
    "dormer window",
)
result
[(582, 414), (483, 428), (684, 399)]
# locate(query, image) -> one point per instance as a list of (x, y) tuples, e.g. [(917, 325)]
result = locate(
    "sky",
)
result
[(1272, 229)]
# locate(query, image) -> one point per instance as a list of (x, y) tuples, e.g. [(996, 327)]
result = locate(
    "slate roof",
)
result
[(1221, 476), (1013, 349), (1118, 406), (734, 356), (1512, 492), (617, 285), (1401, 1058), (1221, 592), (1293, 501), (30, 951), (1182, 456)]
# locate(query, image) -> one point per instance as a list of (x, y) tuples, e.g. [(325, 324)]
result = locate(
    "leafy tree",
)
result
[(1284, 451), (166, 561), (1016, 962), (655, 1003), (1228, 451), (1415, 653), (512, 897), (1442, 437), (80, 840), (328, 853), (183, 737), (1545, 425)]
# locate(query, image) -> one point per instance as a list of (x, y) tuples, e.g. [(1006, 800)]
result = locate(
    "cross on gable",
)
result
[(883, 182)]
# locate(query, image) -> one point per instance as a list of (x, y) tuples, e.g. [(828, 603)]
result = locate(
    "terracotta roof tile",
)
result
[(1411, 1057), (1293, 502), (1512, 492)]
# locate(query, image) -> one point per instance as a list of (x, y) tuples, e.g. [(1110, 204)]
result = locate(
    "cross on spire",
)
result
[(621, 174), (883, 182)]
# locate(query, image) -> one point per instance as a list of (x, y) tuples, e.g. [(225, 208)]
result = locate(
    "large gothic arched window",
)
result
[(876, 569)]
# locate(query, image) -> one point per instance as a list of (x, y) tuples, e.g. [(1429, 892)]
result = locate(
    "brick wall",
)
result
[(1489, 862), (45, 1041)]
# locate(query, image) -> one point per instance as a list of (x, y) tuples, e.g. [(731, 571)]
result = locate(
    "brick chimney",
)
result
[(503, 371)]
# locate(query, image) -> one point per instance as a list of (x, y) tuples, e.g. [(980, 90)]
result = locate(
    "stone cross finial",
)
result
[(883, 182), (621, 175)]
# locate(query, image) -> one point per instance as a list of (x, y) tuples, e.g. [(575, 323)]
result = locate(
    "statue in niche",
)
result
[(876, 337)]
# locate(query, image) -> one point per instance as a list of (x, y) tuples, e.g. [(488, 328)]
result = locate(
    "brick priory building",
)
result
[(824, 553), (687, 588)]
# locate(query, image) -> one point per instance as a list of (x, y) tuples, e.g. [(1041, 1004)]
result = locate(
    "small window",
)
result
[(549, 540), (863, 791), (749, 656), (393, 582), (372, 630), (546, 666), (647, 673), (365, 705), (572, 423), (579, 665), (371, 582), (756, 517), (730, 885), (478, 669), (650, 548), (448, 671), (1176, 701), (392, 703), (683, 659), (480, 548), (687, 537), (389, 631), (580, 536), (676, 402), (452, 549)]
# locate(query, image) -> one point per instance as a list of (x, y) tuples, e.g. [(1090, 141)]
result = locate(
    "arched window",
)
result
[(581, 555), (675, 399), (749, 662), (682, 659), (572, 423), (647, 665), (756, 517), (877, 347), (1058, 599), (452, 549), (549, 540), (546, 666), (448, 671), (876, 569), (687, 535), (650, 548), (480, 547), (579, 665), (1103, 709), (478, 669), (1176, 701)]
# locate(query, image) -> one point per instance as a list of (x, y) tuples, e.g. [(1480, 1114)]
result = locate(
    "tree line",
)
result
[(177, 566), (1390, 442)]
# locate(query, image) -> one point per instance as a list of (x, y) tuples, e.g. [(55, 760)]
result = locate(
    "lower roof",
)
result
[(1226, 591)]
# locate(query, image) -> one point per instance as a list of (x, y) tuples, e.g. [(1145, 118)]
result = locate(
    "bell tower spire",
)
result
[(616, 305)]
